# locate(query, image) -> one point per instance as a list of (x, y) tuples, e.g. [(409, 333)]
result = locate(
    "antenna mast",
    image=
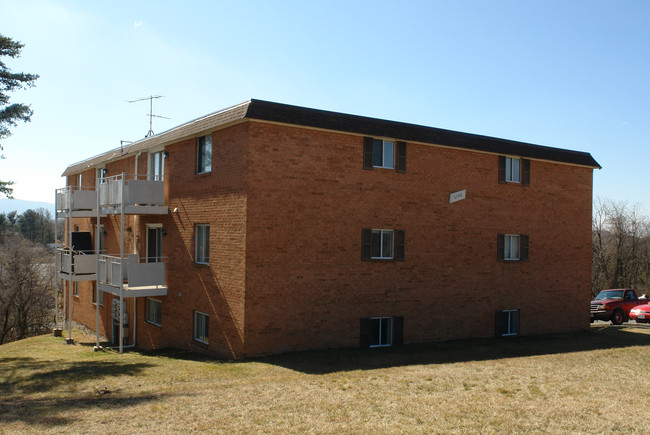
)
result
[(150, 115)]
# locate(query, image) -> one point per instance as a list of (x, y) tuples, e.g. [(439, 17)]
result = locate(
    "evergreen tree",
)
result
[(10, 114)]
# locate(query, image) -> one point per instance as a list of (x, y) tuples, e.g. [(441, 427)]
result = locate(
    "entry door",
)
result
[(154, 244)]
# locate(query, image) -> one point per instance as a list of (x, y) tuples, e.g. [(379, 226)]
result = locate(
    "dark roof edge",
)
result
[(303, 116)]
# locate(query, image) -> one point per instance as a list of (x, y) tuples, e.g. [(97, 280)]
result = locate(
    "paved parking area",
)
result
[(631, 323)]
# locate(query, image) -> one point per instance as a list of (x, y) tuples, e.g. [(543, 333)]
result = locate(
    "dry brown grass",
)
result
[(592, 382)]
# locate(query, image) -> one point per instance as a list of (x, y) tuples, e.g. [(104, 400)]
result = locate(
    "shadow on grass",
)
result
[(55, 382), (481, 349), (46, 376), (50, 411)]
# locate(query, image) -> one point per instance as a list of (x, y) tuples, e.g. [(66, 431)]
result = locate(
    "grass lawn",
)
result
[(591, 382)]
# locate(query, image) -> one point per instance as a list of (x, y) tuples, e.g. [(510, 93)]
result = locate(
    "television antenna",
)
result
[(150, 115)]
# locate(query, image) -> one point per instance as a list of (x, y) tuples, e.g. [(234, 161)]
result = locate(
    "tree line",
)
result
[(34, 225), (621, 247)]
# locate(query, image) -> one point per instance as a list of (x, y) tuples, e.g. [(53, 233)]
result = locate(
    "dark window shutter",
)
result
[(367, 153), (398, 331), (498, 323), (525, 172), (523, 239), (399, 245), (502, 169), (500, 246), (366, 237), (401, 157), (364, 333)]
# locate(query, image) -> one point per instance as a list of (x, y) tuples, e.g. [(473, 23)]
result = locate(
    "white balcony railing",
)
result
[(139, 192), (134, 273), (75, 199), (75, 264)]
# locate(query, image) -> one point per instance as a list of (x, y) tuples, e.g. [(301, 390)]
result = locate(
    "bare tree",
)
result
[(27, 288), (621, 247)]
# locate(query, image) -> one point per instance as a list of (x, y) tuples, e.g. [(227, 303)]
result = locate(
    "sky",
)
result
[(571, 74)]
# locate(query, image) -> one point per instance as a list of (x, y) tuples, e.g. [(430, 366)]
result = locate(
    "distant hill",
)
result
[(20, 205)]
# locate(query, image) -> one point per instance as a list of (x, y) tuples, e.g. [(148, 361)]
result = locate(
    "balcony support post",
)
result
[(122, 268), (97, 253), (70, 282)]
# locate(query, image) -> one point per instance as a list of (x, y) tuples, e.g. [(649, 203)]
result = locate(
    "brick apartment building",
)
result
[(265, 228)]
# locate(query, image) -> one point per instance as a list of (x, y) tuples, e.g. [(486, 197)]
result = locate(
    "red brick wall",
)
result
[(286, 207), (309, 197), (217, 199)]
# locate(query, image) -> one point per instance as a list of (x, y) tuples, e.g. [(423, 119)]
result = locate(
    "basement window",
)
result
[(507, 323), (381, 331), (201, 326)]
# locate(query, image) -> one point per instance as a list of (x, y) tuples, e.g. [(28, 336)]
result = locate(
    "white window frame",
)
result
[(147, 317), (383, 341), (382, 254), (202, 244), (153, 226), (513, 170), (201, 321), (508, 327), (511, 243), (204, 143), (385, 144), (156, 169), (101, 296), (101, 175)]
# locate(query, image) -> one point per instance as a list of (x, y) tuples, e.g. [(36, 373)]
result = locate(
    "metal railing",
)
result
[(75, 262), (134, 272), (130, 190), (75, 198)]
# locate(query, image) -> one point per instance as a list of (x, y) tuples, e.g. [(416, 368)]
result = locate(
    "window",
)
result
[(204, 160), (383, 154), (101, 175), (75, 289), (382, 244), (201, 326), (79, 180), (380, 153), (512, 247), (202, 244), (157, 166), (154, 243), (514, 170), (101, 296), (153, 311), (381, 331), (507, 323)]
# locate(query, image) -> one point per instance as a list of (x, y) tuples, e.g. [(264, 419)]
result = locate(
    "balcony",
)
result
[(76, 201), (135, 195), (75, 265), (137, 279)]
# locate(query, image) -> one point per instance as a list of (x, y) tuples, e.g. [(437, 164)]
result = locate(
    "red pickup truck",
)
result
[(615, 305)]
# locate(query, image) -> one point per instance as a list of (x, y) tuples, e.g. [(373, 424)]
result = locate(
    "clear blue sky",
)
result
[(569, 74)]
